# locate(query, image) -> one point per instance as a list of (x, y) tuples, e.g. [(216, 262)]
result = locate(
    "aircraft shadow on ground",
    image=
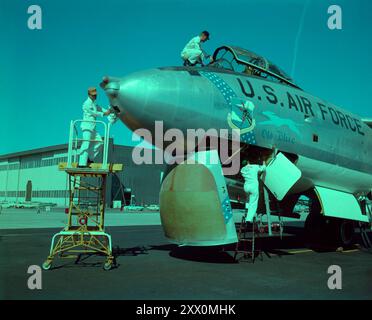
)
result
[(225, 254), (268, 247)]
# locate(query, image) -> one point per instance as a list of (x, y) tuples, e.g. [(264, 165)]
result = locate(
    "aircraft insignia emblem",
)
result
[(241, 114)]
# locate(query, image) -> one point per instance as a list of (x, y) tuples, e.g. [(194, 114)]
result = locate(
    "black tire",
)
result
[(321, 230), (345, 232)]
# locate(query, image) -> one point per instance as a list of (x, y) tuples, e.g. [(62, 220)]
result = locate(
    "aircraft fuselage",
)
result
[(334, 146)]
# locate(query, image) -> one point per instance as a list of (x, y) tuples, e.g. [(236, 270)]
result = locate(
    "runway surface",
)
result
[(149, 267)]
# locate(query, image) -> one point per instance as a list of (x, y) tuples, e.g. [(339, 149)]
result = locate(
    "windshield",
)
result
[(240, 60)]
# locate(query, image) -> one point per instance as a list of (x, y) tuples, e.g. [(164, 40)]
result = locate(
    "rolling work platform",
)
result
[(84, 232)]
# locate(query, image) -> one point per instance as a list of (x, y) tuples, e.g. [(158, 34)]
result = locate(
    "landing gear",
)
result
[(321, 230)]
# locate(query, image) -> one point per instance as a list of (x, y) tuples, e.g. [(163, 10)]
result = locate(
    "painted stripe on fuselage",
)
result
[(228, 94)]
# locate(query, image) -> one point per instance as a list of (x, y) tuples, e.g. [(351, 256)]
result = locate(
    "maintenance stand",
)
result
[(84, 232)]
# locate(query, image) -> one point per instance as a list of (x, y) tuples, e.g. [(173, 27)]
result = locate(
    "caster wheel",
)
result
[(47, 265), (107, 266)]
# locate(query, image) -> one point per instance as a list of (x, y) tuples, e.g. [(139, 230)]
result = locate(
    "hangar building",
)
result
[(33, 175)]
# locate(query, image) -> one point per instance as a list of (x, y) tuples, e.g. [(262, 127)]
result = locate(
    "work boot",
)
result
[(186, 63)]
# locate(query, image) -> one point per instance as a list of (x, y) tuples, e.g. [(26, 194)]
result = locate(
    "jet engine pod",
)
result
[(194, 205)]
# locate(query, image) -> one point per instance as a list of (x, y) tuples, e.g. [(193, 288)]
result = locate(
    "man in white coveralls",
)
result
[(250, 174), (193, 53), (92, 140)]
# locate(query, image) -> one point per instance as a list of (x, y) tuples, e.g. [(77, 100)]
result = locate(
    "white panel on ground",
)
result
[(340, 204), (280, 175)]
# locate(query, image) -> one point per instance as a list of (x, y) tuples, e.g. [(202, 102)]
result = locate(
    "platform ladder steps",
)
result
[(246, 244), (80, 203), (85, 192), (85, 228), (247, 238)]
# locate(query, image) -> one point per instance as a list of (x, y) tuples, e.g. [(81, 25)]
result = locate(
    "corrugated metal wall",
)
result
[(144, 180)]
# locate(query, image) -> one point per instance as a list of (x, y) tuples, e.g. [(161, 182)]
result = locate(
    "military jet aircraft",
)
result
[(317, 149)]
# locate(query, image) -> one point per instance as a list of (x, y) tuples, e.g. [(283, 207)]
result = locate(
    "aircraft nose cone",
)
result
[(111, 86), (142, 98)]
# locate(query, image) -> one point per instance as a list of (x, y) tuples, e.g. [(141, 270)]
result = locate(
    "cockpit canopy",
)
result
[(240, 60)]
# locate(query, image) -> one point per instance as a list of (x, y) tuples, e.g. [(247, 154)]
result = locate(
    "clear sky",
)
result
[(44, 73)]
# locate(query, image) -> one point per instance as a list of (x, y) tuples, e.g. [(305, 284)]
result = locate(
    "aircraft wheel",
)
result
[(329, 231), (346, 232), (107, 266)]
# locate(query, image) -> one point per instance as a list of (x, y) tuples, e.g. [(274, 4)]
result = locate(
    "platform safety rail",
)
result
[(75, 141)]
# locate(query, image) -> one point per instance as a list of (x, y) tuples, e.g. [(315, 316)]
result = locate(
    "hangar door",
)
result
[(28, 191)]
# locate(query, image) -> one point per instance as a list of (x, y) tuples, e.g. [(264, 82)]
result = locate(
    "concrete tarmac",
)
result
[(11, 218), (149, 267)]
